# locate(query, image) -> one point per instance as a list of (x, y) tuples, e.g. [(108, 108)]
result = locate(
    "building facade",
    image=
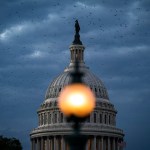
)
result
[(100, 127)]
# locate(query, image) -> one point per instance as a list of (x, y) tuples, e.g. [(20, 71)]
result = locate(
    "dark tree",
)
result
[(9, 143)]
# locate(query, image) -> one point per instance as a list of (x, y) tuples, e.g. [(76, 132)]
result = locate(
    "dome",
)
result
[(89, 79)]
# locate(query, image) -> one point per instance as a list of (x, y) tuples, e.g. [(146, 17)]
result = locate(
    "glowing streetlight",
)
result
[(76, 100)]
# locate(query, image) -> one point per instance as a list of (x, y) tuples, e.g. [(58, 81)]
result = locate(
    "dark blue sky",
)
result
[(34, 47)]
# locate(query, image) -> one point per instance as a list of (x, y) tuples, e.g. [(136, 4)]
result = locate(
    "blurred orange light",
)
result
[(76, 99)]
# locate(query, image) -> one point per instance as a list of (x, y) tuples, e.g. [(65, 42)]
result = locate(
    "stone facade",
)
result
[(100, 126)]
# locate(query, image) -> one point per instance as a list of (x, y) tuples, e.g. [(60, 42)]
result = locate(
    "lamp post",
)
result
[(76, 101)]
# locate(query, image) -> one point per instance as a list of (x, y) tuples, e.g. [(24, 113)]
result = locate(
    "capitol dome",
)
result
[(100, 126), (89, 79)]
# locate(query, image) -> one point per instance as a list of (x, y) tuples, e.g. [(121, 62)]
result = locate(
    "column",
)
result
[(42, 143), (114, 144), (62, 143), (118, 144), (108, 143), (47, 144), (86, 147), (99, 144), (51, 143), (94, 143), (38, 144), (118, 147), (33, 144), (54, 142), (102, 143)]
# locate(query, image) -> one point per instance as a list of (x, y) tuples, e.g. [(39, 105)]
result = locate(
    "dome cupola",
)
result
[(77, 54)]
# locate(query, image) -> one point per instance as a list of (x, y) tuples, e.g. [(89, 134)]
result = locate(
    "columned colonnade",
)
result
[(58, 143), (48, 143), (103, 143)]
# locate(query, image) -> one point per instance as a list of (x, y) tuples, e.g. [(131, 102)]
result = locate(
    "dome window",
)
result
[(55, 118), (105, 119), (109, 119), (99, 90), (42, 119), (94, 117), (61, 118), (88, 119), (49, 119), (45, 119), (100, 118), (59, 89)]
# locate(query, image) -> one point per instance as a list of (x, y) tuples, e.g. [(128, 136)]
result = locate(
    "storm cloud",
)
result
[(34, 48)]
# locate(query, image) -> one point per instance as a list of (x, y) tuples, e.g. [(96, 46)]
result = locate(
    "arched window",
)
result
[(88, 119), (95, 89), (42, 119), (113, 119), (105, 119), (45, 118), (59, 89), (49, 119), (39, 119), (61, 118), (100, 92), (94, 117), (55, 118), (96, 92), (109, 119), (100, 118), (71, 55)]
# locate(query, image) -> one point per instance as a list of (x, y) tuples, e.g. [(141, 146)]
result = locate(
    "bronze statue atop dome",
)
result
[(77, 26), (77, 35)]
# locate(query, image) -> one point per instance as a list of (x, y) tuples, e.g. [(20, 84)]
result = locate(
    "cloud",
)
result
[(37, 54), (35, 38), (13, 31)]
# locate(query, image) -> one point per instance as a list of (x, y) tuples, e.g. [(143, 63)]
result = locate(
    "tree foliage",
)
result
[(9, 143)]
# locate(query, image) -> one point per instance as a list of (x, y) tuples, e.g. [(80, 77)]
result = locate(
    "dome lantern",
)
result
[(77, 49)]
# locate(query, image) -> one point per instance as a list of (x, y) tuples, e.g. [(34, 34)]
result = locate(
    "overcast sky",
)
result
[(34, 48)]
